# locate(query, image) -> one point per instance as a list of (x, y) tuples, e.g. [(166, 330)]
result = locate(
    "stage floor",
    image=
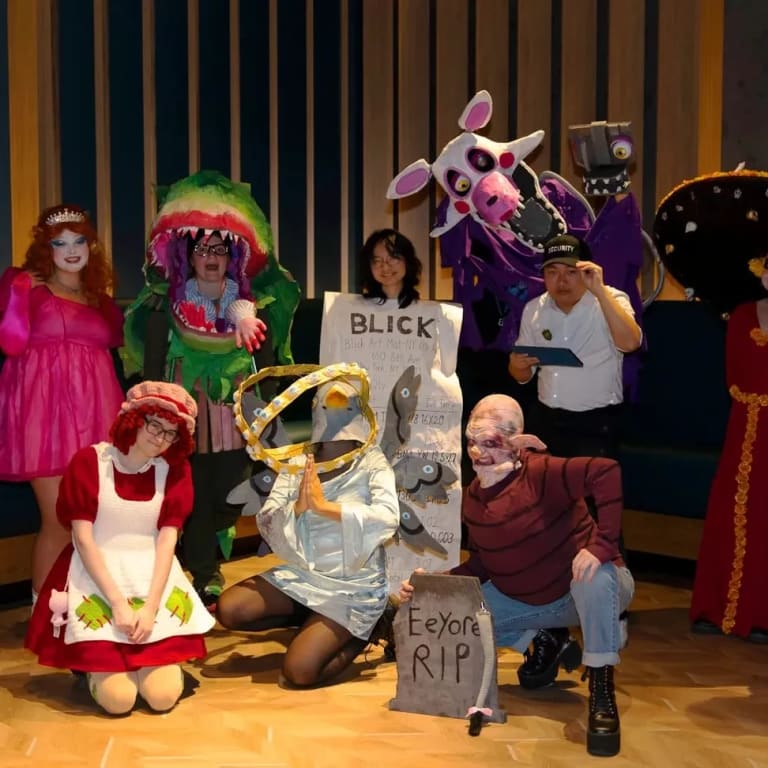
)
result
[(685, 700)]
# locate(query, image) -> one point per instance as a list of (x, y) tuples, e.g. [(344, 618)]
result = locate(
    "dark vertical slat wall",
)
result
[(512, 68), (171, 83), (354, 137), (407, 70), (650, 106), (602, 28), (254, 99), (214, 86), (77, 106), (326, 67), (378, 105), (627, 77), (5, 163), (126, 144), (292, 139), (412, 124), (534, 81), (745, 84)]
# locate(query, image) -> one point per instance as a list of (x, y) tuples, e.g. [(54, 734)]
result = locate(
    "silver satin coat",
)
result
[(336, 568)]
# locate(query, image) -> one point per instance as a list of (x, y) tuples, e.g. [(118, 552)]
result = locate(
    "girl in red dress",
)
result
[(116, 604)]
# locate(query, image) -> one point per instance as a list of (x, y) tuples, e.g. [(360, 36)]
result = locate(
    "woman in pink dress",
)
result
[(58, 387), (116, 604)]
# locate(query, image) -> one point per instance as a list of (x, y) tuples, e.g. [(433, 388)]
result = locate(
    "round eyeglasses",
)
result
[(379, 261), (203, 249), (156, 429)]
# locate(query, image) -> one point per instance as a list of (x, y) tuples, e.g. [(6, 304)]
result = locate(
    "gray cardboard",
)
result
[(440, 657)]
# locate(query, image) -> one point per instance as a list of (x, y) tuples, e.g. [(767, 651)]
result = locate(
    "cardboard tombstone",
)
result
[(446, 652)]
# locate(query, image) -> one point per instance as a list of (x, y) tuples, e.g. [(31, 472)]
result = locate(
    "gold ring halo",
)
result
[(311, 376)]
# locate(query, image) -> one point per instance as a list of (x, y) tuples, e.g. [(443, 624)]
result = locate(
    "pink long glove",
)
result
[(14, 326)]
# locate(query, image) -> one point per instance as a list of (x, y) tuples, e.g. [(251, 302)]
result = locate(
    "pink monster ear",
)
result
[(477, 113), (409, 180)]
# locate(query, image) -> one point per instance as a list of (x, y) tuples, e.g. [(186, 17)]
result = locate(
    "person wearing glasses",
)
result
[(209, 288), (209, 266), (117, 605), (389, 268), (213, 299), (59, 389)]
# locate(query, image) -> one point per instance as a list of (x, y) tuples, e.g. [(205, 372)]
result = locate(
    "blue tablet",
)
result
[(550, 355)]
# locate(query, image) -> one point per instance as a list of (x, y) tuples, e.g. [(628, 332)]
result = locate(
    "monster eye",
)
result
[(621, 147), (458, 182), (481, 160), (405, 392)]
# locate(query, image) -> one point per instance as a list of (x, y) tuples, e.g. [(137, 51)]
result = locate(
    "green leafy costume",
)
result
[(168, 336), (209, 201)]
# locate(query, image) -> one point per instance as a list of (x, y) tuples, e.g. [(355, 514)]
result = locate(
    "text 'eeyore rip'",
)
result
[(445, 650), (400, 324)]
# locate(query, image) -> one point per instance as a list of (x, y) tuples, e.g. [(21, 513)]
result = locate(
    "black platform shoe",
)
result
[(603, 731), (552, 649)]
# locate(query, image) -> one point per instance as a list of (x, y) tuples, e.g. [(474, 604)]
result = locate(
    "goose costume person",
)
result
[(329, 524)]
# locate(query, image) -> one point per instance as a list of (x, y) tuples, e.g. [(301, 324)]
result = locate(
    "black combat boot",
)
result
[(603, 732), (552, 649)]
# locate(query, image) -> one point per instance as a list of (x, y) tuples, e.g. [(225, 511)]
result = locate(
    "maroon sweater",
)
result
[(525, 531)]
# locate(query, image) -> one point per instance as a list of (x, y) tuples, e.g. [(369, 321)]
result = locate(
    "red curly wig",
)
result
[(97, 275), (126, 426)]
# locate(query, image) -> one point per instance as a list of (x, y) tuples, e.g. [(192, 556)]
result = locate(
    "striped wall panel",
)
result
[(212, 50), (324, 161), (126, 144), (77, 104), (318, 103), (170, 82), (5, 158)]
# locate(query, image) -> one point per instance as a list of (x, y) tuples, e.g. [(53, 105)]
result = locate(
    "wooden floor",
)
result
[(685, 700)]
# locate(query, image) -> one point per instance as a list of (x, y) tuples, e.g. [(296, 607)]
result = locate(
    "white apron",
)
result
[(126, 533)]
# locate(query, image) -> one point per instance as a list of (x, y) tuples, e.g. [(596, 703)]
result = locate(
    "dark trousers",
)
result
[(214, 475), (579, 433)]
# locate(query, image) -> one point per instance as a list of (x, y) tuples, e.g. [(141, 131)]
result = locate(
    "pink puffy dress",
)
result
[(60, 393)]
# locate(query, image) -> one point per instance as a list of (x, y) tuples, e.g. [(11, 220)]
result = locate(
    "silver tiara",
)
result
[(64, 216)]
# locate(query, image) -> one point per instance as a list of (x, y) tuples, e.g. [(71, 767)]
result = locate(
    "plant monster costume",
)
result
[(173, 333)]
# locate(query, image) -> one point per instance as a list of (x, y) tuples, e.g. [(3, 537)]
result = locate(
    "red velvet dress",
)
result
[(732, 569), (78, 501)]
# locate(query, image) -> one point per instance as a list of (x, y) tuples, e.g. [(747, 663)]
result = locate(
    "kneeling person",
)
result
[(330, 528), (544, 562)]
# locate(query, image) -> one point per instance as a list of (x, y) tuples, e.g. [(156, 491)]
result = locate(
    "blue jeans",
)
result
[(594, 605)]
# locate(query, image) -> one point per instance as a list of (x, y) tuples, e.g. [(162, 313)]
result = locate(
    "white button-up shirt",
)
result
[(585, 331)]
